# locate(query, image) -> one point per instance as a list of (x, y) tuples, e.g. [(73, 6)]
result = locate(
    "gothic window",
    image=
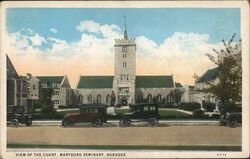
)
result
[(159, 97), (121, 77), (80, 99), (150, 97), (124, 49), (108, 99), (124, 55), (98, 99), (127, 77), (124, 64), (33, 87), (169, 98), (90, 98), (140, 97)]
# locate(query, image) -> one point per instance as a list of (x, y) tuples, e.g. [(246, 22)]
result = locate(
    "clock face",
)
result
[(124, 49)]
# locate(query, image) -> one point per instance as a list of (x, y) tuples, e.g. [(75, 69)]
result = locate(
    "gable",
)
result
[(210, 75), (11, 71), (50, 80)]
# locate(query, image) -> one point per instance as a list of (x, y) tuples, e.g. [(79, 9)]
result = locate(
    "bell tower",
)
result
[(125, 69)]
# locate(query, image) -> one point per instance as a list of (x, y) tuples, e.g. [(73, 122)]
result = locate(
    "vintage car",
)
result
[(231, 119), (147, 112), (16, 115), (97, 115)]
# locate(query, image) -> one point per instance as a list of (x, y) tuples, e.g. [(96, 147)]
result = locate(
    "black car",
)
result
[(97, 115), (141, 112), (231, 119), (17, 115)]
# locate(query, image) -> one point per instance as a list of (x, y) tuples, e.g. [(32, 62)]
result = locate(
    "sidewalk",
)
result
[(116, 122)]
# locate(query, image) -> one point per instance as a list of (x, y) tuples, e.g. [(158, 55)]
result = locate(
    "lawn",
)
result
[(63, 112), (164, 113)]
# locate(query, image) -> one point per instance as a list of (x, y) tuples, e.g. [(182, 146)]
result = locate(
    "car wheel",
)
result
[(97, 122), (28, 122), (233, 122), (14, 122), (125, 122), (66, 123), (222, 122), (152, 122)]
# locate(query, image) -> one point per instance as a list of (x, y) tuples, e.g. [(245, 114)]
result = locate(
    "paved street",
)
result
[(165, 135)]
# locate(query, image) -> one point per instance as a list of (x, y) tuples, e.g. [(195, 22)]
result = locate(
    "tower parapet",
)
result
[(129, 41)]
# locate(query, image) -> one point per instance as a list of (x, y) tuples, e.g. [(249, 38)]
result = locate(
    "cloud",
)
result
[(89, 26), (182, 54), (53, 30)]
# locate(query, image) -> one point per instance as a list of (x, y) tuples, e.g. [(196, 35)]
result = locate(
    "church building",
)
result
[(125, 85)]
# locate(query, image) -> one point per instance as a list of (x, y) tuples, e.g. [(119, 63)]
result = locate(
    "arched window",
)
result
[(150, 97), (98, 99), (169, 97), (140, 97), (159, 97), (90, 98), (108, 99), (80, 98)]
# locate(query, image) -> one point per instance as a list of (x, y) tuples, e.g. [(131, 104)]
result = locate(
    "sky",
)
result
[(80, 41)]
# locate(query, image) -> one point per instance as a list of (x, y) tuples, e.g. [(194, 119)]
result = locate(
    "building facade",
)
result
[(16, 87), (62, 92), (125, 85)]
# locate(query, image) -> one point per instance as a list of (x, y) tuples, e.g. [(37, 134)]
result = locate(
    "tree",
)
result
[(229, 86), (46, 103)]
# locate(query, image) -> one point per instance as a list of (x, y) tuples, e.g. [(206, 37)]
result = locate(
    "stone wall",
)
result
[(83, 95)]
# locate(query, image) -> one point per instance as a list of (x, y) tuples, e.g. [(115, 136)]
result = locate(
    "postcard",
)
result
[(124, 79)]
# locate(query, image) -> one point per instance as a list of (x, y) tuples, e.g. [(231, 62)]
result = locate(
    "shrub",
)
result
[(229, 107), (167, 105), (209, 106), (215, 116), (198, 113), (190, 106)]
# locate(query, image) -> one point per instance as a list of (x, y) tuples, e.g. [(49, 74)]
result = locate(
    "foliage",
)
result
[(190, 106), (47, 109), (229, 107), (229, 61), (208, 106)]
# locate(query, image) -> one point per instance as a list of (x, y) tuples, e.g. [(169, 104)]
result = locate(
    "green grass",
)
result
[(131, 147), (165, 114), (173, 114), (64, 112)]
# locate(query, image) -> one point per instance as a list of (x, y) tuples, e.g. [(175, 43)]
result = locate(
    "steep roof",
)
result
[(49, 80), (209, 75), (178, 85), (95, 82), (154, 82), (11, 71)]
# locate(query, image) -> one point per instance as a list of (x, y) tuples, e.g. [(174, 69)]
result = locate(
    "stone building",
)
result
[(125, 85), (210, 76), (16, 87), (62, 91)]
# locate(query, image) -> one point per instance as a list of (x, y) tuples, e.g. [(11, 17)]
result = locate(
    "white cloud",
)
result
[(53, 30), (89, 26), (37, 40), (181, 54)]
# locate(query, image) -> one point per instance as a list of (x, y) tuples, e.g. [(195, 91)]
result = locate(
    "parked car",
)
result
[(147, 112), (231, 119), (16, 115), (97, 115)]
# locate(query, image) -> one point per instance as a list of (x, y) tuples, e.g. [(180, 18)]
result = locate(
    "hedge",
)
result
[(209, 106), (190, 106)]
